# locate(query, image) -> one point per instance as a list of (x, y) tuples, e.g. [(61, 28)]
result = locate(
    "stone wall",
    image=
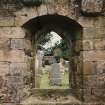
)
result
[(14, 63), (93, 57)]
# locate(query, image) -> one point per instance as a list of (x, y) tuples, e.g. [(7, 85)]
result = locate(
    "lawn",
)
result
[(44, 83)]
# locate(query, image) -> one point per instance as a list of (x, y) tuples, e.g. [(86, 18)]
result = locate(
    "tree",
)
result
[(65, 51), (42, 40)]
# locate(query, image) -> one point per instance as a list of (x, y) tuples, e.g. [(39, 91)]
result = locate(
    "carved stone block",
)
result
[(17, 43)]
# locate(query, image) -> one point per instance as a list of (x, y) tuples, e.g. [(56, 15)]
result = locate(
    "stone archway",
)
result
[(70, 31)]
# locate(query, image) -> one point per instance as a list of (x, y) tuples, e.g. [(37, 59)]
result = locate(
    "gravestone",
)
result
[(55, 74)]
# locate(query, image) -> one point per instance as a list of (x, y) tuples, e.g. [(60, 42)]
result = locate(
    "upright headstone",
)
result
[(55, 74)]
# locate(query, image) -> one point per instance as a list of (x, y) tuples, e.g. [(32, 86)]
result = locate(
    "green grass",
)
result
[(44, 83)]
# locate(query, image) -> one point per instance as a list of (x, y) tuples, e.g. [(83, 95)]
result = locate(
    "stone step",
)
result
[(51, 97), (44, 92), (34, 101)]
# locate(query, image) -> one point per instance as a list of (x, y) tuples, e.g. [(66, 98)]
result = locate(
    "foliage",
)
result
[(64, 49), (42, 40)]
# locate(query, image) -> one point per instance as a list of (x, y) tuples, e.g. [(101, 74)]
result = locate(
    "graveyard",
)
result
[(53, 73), (45, 82)]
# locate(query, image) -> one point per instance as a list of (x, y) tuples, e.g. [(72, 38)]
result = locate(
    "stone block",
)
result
[(89, 68), (91, 33), (12, 56), (28, 44), (101, 31), (99, 44), (93, 55), (99, 22), (17, 43), (16, 81), (78, 45), (9, 103), (4, 43), (86, 21), (101, 80), (90, 81), (17, 69), (6, 21), (25, 15), (93, 22), (80, 67), (99, 92), (100, 67), (42, 10), (87, 45), (92, 6), (62, 9), (51, 9), (4, 68), (12, 32)]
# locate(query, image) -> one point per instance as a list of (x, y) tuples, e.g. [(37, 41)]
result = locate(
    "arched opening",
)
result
[(71, 32)]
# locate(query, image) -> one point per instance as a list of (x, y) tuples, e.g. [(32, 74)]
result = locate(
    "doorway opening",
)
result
[(37, 29), (52, 62)]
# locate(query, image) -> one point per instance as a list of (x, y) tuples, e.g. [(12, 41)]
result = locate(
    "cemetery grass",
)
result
[(45, 82)]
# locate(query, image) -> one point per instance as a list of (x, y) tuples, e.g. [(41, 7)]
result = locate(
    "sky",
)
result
[(55, 38)]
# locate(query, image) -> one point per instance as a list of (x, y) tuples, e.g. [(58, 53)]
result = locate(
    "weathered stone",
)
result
[(87, 94), (91, 33), (15, 81), (99, 22), (86, 21), (25, 15), (12, 56), (99, 44), (89, 68), (4, 43), (11, 32), (100, 92), (90, 81), (15, 88), (78, 45), (84, 65), (101, 80), (87, 45), (92, 22), (100, 31), (100, 67), (92, 6), (51, 9), (9, 103), (17, 69), (42, 10), (94, 55), (17, 43), (28, 44), (80, 67), (6, 21), (4, 68), (64, 9)]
